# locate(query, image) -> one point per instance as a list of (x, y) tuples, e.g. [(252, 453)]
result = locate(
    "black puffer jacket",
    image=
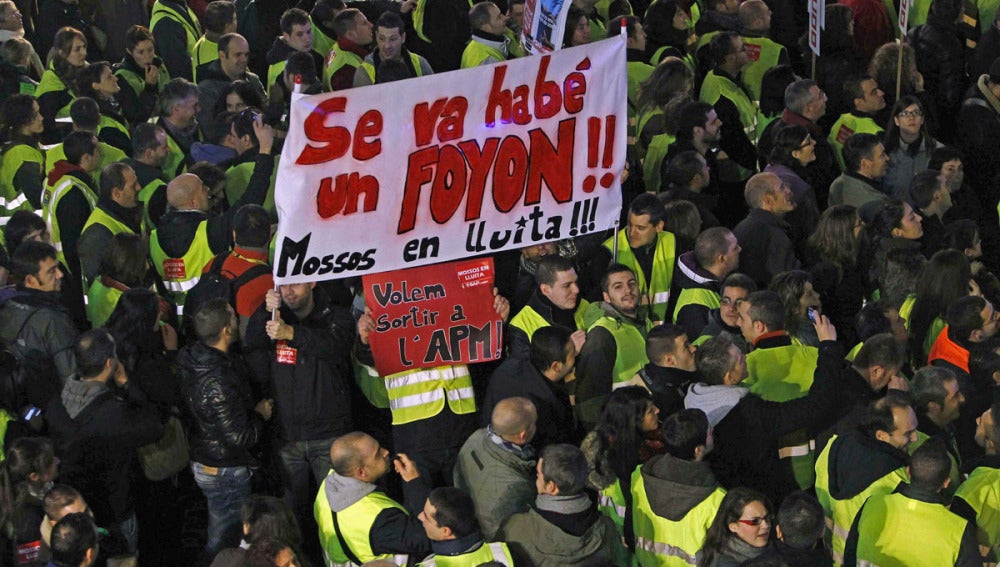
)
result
[(222, 425)]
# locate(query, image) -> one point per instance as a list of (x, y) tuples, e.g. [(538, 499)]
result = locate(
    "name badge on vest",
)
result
[(286, 354), (173, 269)]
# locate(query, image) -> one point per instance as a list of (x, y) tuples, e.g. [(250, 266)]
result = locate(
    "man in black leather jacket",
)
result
[(224, 423)]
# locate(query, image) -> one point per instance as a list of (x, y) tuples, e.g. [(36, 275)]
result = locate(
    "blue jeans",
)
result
[(226, 488)]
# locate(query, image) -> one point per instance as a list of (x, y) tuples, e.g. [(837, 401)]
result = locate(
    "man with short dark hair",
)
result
[(223, 422), (74, 541), (390, 38), (866, 99), (448, 518), (865, 163), (698, 276), (977, 499), (563, 527), (354, 34), (971, 320), (636, 63), (234, 54), (799, 529), (931, 199), (763, 236), (496, 464), (69, 197), (675, 496), (219, 19), (97, 426), (615, 347), (866, 461), (86, 117), (732, 293), (671, 368), (149, 154), (303, 343), (540, 377), (649, 251), (296, 36), (488, 44), (35, 323), (938, 403), (555, 301), (117, 211), (912, 525)]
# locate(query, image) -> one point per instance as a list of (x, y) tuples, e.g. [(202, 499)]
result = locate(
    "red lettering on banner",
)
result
[(341, 195), (451, 111), (548, 98), (456, 171), (335, 141)]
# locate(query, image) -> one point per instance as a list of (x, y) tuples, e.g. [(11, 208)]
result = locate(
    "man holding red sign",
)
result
[(433, 409)]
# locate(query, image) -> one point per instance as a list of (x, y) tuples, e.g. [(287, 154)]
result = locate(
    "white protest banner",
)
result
[(451, 166), (817, 9), (904, 15), (544, 25)]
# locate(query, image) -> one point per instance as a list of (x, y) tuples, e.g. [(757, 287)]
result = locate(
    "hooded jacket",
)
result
[(857, 460), (675, 486), (585, 539), (96, 433), (689, 274)]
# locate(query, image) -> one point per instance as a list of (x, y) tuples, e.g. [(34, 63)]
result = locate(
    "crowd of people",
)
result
[(786, 356)]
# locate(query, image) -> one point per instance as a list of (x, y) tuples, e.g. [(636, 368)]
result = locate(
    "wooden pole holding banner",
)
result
[(899, 67)]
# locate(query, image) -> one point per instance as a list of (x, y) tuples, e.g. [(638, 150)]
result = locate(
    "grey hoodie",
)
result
[(342, 491), (715, 401), (78, 394), (674, 486)]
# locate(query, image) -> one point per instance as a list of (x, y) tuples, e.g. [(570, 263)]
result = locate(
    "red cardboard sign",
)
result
[(433, 316)]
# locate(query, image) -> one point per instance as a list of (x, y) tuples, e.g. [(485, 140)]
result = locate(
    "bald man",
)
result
[(188, 237), (350, 509), (496, 466)]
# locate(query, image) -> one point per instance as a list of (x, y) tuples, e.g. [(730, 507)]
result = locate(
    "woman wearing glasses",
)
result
[(909, 145), (794, 149), (740, 532)]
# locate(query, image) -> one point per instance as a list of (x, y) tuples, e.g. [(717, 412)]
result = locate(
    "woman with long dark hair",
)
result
[(741, 529), (945, 278), (628, 434), (57, 88), (668, 33), (894, 225), (909, 145), (797, 294), (832, 257), (25, 476), (98, 81)]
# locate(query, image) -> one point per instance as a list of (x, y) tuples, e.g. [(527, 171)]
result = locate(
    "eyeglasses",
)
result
[(755, 521), (725, 301), (911, 114)]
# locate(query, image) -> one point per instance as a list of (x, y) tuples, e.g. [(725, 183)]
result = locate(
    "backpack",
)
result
[(214, 284)]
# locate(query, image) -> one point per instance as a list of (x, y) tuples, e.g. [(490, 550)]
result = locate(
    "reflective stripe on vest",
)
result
[(890, 525), (486, 553), (355, 526), (12, 198), (840, 513), (665, 543), (50, 204), (630, 347), (179, 275), (611, 503), (421, 393), (658, 289)]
